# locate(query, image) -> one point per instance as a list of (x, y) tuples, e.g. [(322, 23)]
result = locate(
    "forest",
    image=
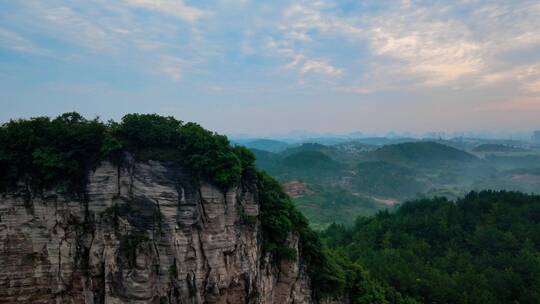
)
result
[(483, 248)]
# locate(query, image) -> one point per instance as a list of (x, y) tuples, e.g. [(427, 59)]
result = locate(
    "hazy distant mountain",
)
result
[(310, 147), (358, 178), (379, 141), (264, 144), (498, 148), (421, 154)]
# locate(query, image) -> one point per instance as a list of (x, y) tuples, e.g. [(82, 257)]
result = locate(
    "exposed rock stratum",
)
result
[(145, 232)]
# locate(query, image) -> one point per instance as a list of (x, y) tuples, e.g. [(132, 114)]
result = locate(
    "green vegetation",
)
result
[(484, 248), (310, 159), (387, 179), (129, 245), (312, 166), (249, 220), (148, 136), (58, 153), (279, 218), (508, 162), (173, 270), (269, 145), (45, 153), (420, 154), (209, 155), (327, 205), (30, 258), (309, 163), (349, 177), (497, 148), (116, 211)]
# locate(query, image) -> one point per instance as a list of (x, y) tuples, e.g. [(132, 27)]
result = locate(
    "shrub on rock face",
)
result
[(129, 245), (280, 218)]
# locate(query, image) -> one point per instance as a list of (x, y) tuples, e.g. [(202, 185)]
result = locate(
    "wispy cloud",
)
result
[(79, 28), (534, 86), (13, 41), (300, 62), (110, 29), (322, 67), (172, 66), (435, 51), (176, 8), (423, 44)]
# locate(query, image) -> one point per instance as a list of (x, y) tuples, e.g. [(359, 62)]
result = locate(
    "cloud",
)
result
[(176, 8), (526, 74), (304, 19), (419, 44), (302, 63), (13, 41), (102, 30), (437, 52), (172, 67), (73, 26), (534, 86), (321, 67)]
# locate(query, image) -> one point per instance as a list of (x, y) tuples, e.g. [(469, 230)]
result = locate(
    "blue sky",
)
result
[(267, 67)]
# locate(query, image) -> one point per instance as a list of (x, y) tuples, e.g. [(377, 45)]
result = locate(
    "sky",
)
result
[(269, 67)]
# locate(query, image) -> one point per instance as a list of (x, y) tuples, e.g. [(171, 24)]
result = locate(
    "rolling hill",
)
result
[(420, 154), (498, 148), (387, 179)]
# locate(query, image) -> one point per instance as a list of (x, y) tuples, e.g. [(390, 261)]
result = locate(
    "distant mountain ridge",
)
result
[(269, 145), (498, 148), (420, 154), (357, 178)]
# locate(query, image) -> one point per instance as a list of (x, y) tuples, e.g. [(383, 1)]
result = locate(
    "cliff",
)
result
[(144, 232)]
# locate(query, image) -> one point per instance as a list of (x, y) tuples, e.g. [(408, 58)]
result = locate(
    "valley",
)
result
[(338, 182)]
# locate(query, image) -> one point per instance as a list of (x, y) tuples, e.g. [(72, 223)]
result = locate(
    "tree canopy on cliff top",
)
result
[(44, 153)]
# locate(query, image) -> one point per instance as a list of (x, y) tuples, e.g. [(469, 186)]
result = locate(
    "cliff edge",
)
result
[(143, 232)]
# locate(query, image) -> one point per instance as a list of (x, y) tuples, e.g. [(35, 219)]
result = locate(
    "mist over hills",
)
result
[(363, 176)]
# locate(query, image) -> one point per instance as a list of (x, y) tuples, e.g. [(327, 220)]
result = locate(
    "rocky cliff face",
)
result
[(143, 233)]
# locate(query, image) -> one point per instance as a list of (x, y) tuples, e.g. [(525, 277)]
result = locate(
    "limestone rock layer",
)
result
[(142, 233)]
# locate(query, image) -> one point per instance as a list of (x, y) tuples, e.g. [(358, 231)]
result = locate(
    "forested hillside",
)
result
[(420, 154), (484, 248)]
